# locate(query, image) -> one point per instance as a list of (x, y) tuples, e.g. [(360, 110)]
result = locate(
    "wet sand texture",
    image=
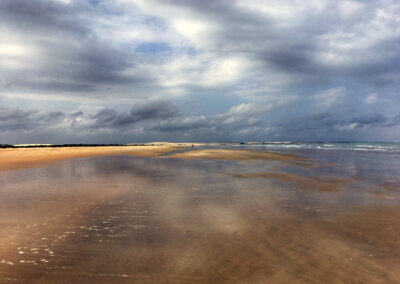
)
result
[(121, 219), (305, 183), (11, 159), (228, 154)]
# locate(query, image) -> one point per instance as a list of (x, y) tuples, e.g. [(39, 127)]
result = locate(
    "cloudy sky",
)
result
[(118, 71)]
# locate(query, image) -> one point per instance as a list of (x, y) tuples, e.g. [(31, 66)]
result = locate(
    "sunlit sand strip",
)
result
[(228, 154), (11, 159), (183, 144)]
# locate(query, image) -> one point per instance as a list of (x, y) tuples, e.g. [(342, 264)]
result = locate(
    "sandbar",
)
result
[(234, 154), (17, 158)]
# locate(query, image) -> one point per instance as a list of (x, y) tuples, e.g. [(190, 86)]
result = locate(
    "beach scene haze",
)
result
[(199, 141)]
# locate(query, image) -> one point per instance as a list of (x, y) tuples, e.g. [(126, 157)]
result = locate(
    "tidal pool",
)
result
[(332, 219)]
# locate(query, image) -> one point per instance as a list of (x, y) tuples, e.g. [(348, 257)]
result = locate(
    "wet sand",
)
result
[(176, 144), (129, 219), (305, 183), (229, 154), (17, 158)]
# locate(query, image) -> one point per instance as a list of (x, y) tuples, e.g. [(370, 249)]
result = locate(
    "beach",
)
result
[(181, 214), (17, 158)]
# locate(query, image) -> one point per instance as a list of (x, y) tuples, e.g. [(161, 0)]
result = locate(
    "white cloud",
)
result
[(182, 73), (372, 98), (13, 50), (328, 98), (244, 113), (63, 1), (349, 42), (348, 8), (346, 127)]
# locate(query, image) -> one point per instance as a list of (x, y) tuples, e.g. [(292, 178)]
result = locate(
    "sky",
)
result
[(126, 71)]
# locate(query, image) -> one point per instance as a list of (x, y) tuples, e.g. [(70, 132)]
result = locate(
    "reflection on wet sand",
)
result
[(391, 186), (305, 183), (230, 154), (126, 219), (19, 158)]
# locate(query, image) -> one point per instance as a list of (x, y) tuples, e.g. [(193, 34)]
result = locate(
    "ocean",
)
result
[(392, 147)]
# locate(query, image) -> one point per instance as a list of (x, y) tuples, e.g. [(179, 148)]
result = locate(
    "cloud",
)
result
[(394, 121), (241, 113), (53, 115), (15, 119), (14, 114), (328, 98), (77, 114), (372, 119), (372, 98), (63, 49), (350, 8), (256, 69), (163, 119), (185, 124), (156, 110)]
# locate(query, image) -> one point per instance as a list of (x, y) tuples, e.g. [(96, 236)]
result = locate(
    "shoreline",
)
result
[(19, 158), (27, 157), (236, 154)]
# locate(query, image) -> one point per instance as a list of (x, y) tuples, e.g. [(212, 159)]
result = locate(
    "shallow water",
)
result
[(119, 219)]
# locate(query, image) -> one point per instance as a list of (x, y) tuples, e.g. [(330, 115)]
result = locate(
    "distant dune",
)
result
[(31, 145)]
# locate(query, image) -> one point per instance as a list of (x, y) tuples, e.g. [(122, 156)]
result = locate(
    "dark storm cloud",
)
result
[(372, 119), (69, 54), (394, 121), (77, 114), (336, 120), (161, 118), (105, 116), (156, 110), (333, 126), (7, 114), (53, 115), (43, 17), (100, 64), (14, 119)]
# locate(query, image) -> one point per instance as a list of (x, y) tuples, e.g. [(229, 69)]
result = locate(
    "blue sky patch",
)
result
[(153, 47)]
